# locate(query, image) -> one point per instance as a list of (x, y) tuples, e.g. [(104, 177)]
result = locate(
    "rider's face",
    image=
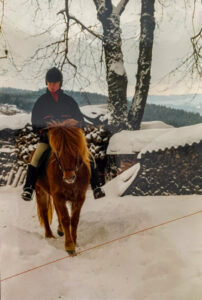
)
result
[(53, 86)]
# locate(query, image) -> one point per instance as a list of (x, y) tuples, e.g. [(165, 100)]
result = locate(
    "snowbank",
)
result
[(19, 120), (16, 121)]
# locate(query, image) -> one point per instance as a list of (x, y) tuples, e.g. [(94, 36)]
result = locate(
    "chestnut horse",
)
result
[(66, 181)]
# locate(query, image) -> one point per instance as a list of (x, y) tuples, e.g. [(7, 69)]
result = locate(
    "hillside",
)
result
[(188, 102), (171, 116), (25, 99), (173, 110)]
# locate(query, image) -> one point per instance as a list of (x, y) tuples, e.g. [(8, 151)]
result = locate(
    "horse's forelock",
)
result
[(68, 140), (69, 123)]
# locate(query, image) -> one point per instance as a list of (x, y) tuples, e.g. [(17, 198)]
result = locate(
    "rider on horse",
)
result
[(53, 105)]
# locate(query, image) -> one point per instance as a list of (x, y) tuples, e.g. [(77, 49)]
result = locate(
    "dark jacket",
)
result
[(47, 108)]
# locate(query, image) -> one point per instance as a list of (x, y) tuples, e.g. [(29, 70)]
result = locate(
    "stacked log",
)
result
[(170, 172), (26, 141), (97, 138), (7, 154)]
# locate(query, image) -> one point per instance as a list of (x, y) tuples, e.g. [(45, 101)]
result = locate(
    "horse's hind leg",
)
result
[(45, 210)]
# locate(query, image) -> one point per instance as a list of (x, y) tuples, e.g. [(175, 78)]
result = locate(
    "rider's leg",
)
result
[(96, 182), (32, 171)]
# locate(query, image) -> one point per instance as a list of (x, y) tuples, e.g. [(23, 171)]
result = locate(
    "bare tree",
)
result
[(116, 77), (197, 52), (196, 41), (5, 51), (147, 23), (109, 16)]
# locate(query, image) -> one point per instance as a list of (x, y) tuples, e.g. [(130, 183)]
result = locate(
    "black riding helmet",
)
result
[(54, 75)]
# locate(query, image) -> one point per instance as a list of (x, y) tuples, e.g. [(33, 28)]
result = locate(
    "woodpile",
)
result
[(7, 154), (170, 172), (26, 141)]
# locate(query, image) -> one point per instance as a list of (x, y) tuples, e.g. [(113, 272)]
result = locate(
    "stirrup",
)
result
[(27, 194)]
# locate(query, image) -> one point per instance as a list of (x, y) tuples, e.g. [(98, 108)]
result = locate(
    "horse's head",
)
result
[(69, 148), (69, 167)]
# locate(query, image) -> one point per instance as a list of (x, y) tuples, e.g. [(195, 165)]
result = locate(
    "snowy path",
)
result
[(162, 263)]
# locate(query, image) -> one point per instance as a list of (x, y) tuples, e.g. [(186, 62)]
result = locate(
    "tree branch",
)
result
[(1, 29), (104, 9), (82, 25), (2, 14), (121, 6), (197, 51)]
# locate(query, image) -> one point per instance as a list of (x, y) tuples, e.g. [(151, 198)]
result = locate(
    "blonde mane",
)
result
[(66, 138)]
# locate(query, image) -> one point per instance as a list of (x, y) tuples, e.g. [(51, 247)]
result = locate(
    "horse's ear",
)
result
[(51, 124), (71, 123)]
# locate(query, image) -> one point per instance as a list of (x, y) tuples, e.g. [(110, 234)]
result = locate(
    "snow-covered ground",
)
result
[(9, 109), (160, 263), (19, 120)]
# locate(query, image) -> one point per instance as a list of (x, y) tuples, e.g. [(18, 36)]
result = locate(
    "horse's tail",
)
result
[(44, 206)]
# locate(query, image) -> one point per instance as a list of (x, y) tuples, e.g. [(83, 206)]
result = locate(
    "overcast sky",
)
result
[(171, 45)]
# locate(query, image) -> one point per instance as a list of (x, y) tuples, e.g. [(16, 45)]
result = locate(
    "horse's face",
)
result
[(69, 176), (69, 168)]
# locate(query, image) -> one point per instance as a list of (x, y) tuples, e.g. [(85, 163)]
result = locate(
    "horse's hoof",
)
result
[(60, 233), (71, 252)]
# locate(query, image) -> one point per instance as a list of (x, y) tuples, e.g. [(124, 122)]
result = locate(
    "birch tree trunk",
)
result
[(144, 64), (116, 76)]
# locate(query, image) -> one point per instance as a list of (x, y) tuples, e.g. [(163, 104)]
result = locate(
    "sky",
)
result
[(23, 25)]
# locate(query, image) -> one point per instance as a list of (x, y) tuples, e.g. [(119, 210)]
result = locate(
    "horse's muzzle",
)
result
[(70, 180)]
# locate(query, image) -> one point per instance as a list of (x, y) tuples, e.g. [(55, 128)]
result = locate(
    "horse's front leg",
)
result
[(60, 229), (76, 209), (64, 220)]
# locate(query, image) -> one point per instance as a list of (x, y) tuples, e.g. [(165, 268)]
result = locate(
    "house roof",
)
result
[(157, 136), (175, 137)]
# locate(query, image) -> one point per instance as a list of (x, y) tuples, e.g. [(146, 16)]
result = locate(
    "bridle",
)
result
[(77, 167)]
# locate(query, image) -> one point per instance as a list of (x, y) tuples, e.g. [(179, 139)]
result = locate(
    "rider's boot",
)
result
[(30, 182)]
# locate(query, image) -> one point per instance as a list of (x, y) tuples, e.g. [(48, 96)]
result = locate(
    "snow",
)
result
[(6, 150), (94, 110), (153, 138), (119, 255), (130, 142), (19, 120), (118, 68), (160, 263), (155, 125), (134, 141), (175, 137), (16, 121), (122, 182), (9, 109)]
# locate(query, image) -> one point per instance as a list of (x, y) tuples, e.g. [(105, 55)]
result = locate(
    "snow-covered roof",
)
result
[(155, 125), (153, 138), (175, 137), (130, 142)]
